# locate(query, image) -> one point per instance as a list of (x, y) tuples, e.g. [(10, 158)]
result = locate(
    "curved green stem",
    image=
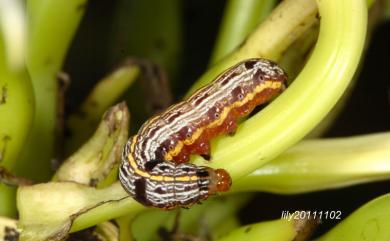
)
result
[(108, 231), (239, 19), (16, 96), (52, 25), (124, 223), (296, 55), (312, 95)]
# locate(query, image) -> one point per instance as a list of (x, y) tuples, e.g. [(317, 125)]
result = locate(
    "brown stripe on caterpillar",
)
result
[(159, 153)]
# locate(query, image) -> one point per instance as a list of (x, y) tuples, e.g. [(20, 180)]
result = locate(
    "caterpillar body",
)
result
[(154, 168)]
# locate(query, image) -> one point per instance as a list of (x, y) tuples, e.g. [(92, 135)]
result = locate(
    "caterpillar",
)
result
[(155, 169)]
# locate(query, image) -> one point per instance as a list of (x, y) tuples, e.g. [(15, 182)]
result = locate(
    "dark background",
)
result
[(366, 111)]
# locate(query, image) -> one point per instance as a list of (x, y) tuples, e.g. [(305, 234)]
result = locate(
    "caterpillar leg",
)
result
[(230, 125), (202, 148), (183, 156)]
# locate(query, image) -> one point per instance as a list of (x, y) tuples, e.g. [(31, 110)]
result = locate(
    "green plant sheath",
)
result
[(108, 90), (52, 26)]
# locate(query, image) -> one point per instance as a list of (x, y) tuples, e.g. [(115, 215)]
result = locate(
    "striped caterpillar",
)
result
[(155, 169)]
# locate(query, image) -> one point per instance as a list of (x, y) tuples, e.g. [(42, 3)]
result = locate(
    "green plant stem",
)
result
[(52, 25), (315, 165), (7, 199), (240, 18), (327, 122), (295, 57), (305, 102), (15, 87), (124, 223), (369, 222), (108, 231), (108, 90), (16, 96), (123, 206)]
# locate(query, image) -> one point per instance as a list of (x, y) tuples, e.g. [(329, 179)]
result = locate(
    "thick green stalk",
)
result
[(122, 205), (305, 102), (295, 57), (370, 222), (107, 231), (239, 19), (16, 95), (7, 199), (124, 225), (315, 165), (52, 26)]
